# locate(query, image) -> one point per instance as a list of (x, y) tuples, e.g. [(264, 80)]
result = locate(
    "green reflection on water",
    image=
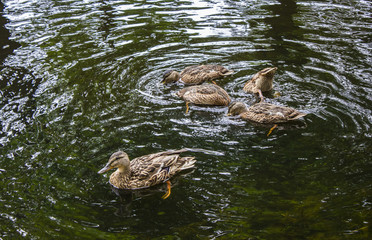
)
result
[(96, 91)]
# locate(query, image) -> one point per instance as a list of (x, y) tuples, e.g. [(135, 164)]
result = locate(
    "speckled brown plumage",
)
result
[(147, 170), (261, 81), (265, 113), (196, 74), (206, 94)]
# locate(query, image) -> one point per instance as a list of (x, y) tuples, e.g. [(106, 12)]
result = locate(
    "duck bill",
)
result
[(271, 70), (105, 169), (228, 73)]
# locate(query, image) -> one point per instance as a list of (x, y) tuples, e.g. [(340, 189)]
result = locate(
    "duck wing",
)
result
[(198, 74), (271, 113), (156, 168), (207, 94)]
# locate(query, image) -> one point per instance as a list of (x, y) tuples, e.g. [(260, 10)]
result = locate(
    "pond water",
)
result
[(81, 79)]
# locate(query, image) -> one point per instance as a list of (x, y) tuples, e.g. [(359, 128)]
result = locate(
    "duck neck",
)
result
[(124, 170), (121, 178), (243, 110), (176, 76), (265, 82)]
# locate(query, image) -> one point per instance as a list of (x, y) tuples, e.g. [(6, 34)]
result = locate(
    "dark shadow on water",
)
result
[(106, 20), (17, 84), (282, 23), (6, 46), (17, 87), (283, 28)]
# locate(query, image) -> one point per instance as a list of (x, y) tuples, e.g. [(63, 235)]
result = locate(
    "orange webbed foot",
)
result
[(271, 129), (187, 107), (167, 194)]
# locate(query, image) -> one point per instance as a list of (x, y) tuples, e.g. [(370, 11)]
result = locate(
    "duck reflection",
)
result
[(128, 196)]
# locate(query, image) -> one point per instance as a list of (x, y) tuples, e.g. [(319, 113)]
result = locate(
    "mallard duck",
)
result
[(206, 94), (148, 170), (264, 113), (261, 82), (196, 74)]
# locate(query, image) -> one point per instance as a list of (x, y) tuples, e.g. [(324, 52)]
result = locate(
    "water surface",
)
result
[(81, 79)]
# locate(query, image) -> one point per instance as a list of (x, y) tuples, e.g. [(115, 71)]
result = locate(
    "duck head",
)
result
[(268, 73), (236, 108), (170, 76), (118, 160)]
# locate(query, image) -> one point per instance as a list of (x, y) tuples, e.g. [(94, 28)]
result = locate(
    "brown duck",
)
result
[(196, 74), (206, 94), (261, 82), (148, 170), (264, 113)]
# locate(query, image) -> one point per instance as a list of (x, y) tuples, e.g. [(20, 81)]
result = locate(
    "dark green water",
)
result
[(80, 80)]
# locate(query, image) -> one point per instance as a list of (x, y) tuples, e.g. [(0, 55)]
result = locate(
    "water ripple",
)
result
[(86, 81)]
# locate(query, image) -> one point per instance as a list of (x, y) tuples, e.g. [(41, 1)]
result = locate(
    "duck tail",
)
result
[(188, 163), (297, 115)]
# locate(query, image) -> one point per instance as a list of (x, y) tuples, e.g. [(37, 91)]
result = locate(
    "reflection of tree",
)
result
[(17, 86), (107, 19), (129, 32), (282, 24), (6, 45), (282, 197), (284, 28)]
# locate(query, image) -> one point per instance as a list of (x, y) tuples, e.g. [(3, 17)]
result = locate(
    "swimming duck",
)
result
[(264, 113), (148, 170), (261, 82), (196, 74), (206, 94)]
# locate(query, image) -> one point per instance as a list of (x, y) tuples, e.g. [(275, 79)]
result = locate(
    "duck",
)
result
[(196, 74), (261, 82), (205, 94), (148, 170), (265, 113)]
